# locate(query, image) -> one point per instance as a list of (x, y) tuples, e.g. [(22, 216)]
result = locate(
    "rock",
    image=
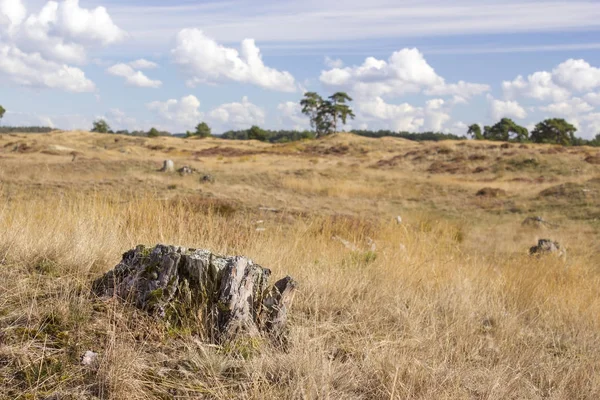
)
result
[(227, 295), (185, 170), (89, 358), (491, 192), (546, 246), (208, 179), (168, 166)]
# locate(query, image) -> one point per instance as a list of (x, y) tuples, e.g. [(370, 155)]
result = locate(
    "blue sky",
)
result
[(410, 65)]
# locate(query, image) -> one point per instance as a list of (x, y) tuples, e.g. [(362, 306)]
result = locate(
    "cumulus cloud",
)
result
[(133, 77), (206, 61), (539, 85), (333, 62), (593, 98), (185, 113), (238, 115), (290, 115), (399, 117), (143, 64), (181, 113), (569, 108), (436, 115), (34, 71), (577, 75), (558, 85), (406, 71), (37, 48), (505, 109)]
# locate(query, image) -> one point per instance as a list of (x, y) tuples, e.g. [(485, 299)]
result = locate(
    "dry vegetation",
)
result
[(447, 305)]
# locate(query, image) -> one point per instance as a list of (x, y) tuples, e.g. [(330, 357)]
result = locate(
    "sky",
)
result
[(415, 65)]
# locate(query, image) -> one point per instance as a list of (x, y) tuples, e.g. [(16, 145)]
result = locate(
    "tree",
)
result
[(339, 109), (153, 132), (101, 126), (554, 130), (475, 132), (506, 130), (310, 107), (257, 133), (2, 111), (325, 114), (202, 131)]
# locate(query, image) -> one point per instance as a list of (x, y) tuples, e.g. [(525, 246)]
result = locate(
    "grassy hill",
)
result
[(447, 304)]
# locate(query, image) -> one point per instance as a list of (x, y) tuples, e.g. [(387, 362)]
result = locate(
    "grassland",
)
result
[(446, 305)]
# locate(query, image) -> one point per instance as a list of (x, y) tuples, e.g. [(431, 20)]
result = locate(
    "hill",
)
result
[(445, 304)]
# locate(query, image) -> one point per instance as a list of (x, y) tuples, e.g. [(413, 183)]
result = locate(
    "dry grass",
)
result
[(447, 306)]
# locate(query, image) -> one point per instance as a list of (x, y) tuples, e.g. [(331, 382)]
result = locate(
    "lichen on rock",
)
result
[(229, 294)]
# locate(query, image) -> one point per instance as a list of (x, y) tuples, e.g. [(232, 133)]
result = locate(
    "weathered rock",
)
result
[(546, 246), (208, 179), (168, 166), (185, 170), (228, 294)]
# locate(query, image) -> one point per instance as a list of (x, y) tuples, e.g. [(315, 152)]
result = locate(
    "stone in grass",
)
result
[(168, 166), (230, 294), (89, 358), (546, 246)]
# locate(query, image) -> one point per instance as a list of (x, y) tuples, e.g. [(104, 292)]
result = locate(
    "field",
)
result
[(446, 304)]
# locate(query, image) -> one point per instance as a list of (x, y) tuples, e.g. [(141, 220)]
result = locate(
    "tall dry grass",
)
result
[(420, 316)]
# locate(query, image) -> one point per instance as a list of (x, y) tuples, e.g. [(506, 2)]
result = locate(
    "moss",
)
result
[(245, 347)]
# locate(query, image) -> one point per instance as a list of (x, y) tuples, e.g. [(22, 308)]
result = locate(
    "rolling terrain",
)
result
[(446, 304)]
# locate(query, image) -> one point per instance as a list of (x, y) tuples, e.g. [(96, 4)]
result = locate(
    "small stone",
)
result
[(208, 179), (546, 246), (168, 166), (185, 170), (89, 358)]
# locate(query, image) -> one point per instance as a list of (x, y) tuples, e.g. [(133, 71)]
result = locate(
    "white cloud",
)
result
[(34, 71), (83, 25), (577, 75), (505, 109), (133, 77), (558, 85), (435, 115), (291, 116), (62, 31), (37, 49), (406, 71), (568, 108), (333, 63), (538, 85), (182, 114), (206, 61), (143, 64), (398, 117), (238, 115), (593, 98), (12, 13), (592, 125)]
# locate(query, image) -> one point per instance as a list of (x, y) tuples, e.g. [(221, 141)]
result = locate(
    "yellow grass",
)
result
[(448, 305)]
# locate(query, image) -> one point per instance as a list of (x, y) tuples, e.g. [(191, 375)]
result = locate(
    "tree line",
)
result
[(549, 131), (325, 115)]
